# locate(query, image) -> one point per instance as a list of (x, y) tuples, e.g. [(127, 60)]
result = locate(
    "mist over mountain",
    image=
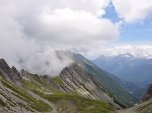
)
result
[(46, 52), (31, 31), (82, 77), (41, 93)]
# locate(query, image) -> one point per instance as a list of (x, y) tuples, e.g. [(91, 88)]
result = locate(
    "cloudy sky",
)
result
[(31, 30)]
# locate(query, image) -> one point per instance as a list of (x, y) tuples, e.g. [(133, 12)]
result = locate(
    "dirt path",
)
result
[(126, 111), (46, 101), (129, 110)]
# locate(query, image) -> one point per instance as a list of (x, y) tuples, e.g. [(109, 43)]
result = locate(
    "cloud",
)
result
[(31, 31), (133, 10), (139, 51), (75, 28)]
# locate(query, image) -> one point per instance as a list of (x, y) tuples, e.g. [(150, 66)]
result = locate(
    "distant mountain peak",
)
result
[(126, 55)]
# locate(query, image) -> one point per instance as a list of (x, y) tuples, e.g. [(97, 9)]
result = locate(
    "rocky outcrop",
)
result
[(148, 95), (50, 81), (12, 103), (10, 74), (78, 81)]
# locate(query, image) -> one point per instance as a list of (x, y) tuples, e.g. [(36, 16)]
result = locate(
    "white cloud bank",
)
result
[(138, 51), (133, 10), (30, 31)]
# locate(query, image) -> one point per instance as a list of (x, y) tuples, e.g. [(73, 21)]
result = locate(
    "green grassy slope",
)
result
[(77, 104), (22, 94), (68, 102)]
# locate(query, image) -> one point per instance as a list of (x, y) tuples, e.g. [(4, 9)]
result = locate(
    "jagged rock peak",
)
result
[(3, 63), (14, 69), (148, 95), (24, 73), (2, 60), (22, 70), (4, 66)]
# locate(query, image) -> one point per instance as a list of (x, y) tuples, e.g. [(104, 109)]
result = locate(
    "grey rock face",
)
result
[(13, 104), (10, 74), (77, 80)]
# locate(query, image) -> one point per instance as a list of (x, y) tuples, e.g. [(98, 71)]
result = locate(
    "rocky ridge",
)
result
[(25, 92)]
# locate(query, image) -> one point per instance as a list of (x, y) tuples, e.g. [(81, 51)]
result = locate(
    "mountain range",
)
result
[(69, 92), (133, 71), (81, 87)]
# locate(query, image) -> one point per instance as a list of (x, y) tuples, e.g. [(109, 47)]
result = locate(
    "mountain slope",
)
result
[(144, 107), (148, 94), (82, 83), (109, 83), (34, 93), (128, 69)]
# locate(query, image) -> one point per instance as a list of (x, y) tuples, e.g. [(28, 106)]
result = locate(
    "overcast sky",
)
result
[(31, 30)]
